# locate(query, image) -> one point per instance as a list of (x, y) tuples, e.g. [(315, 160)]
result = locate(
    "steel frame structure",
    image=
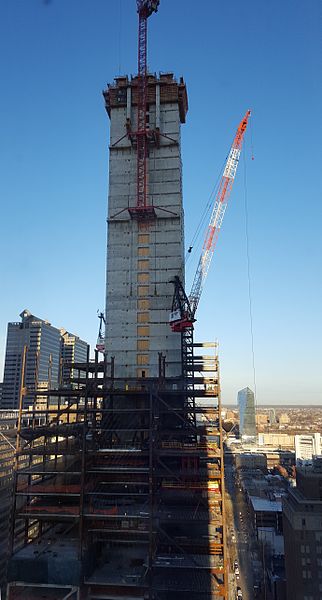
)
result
[(127, 476)]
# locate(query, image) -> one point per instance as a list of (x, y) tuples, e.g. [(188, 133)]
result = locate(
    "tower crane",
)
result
[(100, 344), (184, 307), (142, 210)]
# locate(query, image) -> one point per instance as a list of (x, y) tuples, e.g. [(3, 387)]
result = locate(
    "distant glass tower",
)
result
[(247, 420), (73, 350), (42, 359)]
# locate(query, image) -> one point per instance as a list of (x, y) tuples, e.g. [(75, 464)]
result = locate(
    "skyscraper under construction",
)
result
[(119, 491), (145, 247)]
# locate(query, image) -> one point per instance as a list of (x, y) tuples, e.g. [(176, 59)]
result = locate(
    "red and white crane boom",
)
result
[(183, 307)]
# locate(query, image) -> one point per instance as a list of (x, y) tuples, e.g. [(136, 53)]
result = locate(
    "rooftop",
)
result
[(265, 505)]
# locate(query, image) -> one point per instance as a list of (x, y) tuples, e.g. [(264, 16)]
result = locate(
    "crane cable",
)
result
[(201, 225), (251, 315), (250, 301), (120, 40)]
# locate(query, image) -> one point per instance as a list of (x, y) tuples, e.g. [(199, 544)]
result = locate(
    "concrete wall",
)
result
[(143, 257)]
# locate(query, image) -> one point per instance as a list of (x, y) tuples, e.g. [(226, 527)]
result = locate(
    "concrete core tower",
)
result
[(144, 255)]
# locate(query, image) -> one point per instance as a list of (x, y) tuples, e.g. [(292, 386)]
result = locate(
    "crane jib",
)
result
[(182, 317), (232, 163)]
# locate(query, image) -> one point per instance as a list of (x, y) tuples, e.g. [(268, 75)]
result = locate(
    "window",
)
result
[(143, 277), (303, 523), (143, 330), (142, 359), (143, 290), (143, 317), (143, 264), (143, 238), (143, 304), (143, 251), (143, 344)]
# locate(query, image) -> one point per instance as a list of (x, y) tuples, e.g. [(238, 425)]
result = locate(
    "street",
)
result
[(239, 539)]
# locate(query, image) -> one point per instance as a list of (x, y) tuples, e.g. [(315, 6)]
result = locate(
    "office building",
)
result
[(302, 525), (307, 446), (46, 347), (73, 350), (41, 362), (247, 420), (271, 416)]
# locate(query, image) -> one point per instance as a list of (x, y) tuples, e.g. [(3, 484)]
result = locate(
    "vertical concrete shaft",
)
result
[(142, 257)]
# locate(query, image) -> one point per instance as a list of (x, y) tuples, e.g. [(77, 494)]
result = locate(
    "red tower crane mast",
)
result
[(183, 311), (142, 210)]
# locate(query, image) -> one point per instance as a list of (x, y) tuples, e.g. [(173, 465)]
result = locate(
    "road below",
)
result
[(240, 541)]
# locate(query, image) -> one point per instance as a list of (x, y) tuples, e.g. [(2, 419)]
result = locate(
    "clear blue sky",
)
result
[(56, 57)]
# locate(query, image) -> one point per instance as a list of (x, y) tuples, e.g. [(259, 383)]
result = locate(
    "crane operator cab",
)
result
[(149, 6)]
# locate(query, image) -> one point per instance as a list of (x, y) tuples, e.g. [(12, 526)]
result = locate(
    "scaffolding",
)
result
[(119, 486)]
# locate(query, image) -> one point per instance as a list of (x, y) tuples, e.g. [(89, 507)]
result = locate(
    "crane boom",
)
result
[(183, 307)]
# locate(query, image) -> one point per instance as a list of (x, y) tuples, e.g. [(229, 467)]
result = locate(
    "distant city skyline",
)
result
[(55, 60)]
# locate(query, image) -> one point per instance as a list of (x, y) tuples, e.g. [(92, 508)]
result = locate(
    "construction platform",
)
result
[(119, 492)]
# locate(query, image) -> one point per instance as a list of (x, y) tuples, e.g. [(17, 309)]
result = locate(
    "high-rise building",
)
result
[(42, 358), (247, 420), (307, 446), (142, 257), (73, 350), (45, 347), (271, 416), (302, 526)]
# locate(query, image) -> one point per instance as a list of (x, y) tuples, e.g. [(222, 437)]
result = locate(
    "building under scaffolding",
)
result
[(122, 495)]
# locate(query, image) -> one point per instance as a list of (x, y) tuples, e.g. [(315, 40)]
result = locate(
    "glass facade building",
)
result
[(73, 349), (247, 419), (44, 352)]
